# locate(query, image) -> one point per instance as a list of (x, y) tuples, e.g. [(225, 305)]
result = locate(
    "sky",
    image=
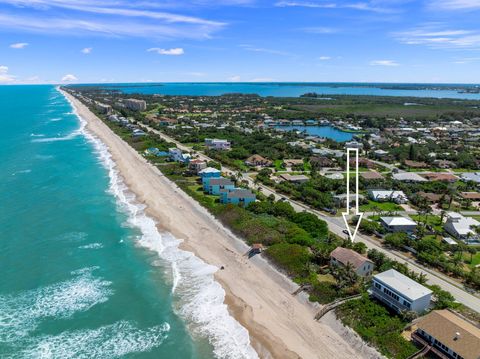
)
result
[(91, 41)]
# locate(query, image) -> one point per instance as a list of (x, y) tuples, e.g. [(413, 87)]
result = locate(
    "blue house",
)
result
[(237, 196), (209, 172), (214, 185)]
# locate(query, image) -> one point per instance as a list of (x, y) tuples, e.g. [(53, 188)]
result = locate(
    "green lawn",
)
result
[(278, 165), (475, 260), (380, 206), (432, 220)]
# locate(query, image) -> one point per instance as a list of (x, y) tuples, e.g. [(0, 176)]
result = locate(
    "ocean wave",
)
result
[(20, 172), (200, 297), (56, 119), (92, 246), (111, 341), (20, 314), (37, 135)]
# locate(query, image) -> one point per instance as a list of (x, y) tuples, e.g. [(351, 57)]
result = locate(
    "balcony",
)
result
[(387, 299)]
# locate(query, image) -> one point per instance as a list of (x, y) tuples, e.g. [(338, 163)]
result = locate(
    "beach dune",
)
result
[(258, 296)]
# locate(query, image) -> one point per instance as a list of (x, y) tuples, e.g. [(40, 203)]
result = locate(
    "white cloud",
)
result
[(324, 58), (234, 78), (69, 78), (5, 77), (86, 50), (361, 6), (264, 50), (321, 30), (106, 18), (455, 4), (172, 52), (437, 36), (19, 45), (384, 63)]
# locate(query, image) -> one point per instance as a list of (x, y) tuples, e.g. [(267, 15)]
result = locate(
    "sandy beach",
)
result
[(258, 296)]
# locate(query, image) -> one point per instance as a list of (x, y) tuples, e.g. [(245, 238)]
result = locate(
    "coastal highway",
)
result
[(336, 225)]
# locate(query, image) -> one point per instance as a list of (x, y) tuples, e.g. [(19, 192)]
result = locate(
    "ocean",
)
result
[(295, 89), (84, 272)]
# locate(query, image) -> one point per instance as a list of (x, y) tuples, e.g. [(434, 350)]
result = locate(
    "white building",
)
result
[(216, 144), (135, 105), (380, 195), (398, 224), (400, 292), (461, 227)]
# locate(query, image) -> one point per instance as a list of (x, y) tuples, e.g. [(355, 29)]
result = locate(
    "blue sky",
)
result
[(55, 41)]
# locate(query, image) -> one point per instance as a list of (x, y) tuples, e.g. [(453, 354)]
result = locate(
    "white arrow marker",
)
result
[(356, 212)]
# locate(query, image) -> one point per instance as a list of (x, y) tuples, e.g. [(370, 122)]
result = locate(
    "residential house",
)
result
[(294, 178), (138, 133), (197, 165), (470, 196), (354, 144), (398, 224), (321, 162), (237, 196), (408, 177), (257, 160), (210, 172), (443, 164), (471, 176), (177, 155), (380, 195), (214, 185), (380, 153), (431, 197), (335, 176), (440, 176), (293, 162), (400, 292), (371, 176), (363, 162), (340, 200), (461, 227), (415, 164), (216, 144), (361, 265), (449, 335)]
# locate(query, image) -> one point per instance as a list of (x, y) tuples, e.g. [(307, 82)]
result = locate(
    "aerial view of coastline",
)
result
[(240, 179)]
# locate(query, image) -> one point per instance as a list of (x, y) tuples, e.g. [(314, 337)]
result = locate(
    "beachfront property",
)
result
[(398, 224), (214, 185), (361, 265), (237, 196), (209, 172), (197, 165), (103, 108), (449, 335), (400, 292), (461, 227), (216, 144), (380, 195), (135, 105), (177, 155)]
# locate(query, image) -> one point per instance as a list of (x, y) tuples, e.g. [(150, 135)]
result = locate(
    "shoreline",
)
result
[(257, 295)]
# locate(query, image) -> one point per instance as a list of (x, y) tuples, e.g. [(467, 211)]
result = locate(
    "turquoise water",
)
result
[(84, 273), (288, 89), (322, 131)]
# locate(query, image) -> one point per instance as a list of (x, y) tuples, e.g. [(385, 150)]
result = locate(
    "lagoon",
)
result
[(330, 132)]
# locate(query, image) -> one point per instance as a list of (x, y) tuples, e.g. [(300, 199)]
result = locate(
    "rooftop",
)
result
[(408, 176), (398, 221), (453, 331), (345, 255), (404, 285)]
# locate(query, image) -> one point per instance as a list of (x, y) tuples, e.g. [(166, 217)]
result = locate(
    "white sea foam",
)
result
[(55, 119), (200, 297), (22, 313), (21, 171), (111, 341), (36, 135), (92, 246)]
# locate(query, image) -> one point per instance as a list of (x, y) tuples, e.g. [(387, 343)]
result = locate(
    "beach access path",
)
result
[(258, 296)]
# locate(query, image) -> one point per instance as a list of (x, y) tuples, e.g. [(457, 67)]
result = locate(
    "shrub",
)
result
[(293, 258)]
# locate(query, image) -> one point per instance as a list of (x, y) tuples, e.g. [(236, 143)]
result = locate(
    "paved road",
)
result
[(336, 225)]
